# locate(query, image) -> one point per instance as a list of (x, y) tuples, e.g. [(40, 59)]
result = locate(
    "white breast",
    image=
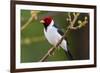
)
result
[(53, 37)]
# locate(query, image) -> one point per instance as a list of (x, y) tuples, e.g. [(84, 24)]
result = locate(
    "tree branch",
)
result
[(33, 16), (81, 24), (26, 24)]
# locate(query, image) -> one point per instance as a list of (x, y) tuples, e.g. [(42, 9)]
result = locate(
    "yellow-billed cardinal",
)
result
[(53, 34)]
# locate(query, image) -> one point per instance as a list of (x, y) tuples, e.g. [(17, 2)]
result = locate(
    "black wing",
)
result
[(59, 30)]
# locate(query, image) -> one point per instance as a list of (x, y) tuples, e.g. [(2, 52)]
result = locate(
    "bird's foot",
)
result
[(51, 54)]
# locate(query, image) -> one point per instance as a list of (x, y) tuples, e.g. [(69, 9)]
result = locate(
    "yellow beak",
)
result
[(42, 21)]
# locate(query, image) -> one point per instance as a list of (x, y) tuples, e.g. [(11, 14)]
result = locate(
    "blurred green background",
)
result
[(34, 45)]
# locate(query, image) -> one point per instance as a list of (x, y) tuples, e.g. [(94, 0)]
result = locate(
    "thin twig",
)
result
[(75, 18), (26, 24), (33, 17), (81, 24)]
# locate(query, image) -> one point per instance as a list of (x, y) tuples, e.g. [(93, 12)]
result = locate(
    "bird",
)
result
[(53, 34)]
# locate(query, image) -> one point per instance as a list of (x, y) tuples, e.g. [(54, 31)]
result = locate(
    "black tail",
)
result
[(68, 53)]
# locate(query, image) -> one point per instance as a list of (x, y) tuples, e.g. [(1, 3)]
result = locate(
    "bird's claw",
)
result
[(51, 54)]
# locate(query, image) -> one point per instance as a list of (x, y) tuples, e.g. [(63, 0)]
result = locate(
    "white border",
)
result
[(58, 63)]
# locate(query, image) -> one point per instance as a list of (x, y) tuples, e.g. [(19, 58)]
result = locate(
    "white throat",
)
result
[(52, 23)]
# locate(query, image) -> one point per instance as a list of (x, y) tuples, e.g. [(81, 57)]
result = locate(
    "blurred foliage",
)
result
[(34, 45)]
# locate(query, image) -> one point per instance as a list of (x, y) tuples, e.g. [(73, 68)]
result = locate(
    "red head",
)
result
[(46, 21)]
